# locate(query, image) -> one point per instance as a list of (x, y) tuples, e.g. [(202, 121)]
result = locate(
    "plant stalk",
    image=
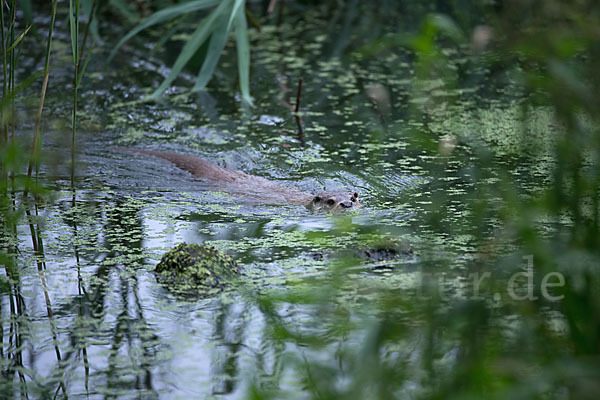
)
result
[(37, 140), (4, 71), (75, 87), (13, 72)]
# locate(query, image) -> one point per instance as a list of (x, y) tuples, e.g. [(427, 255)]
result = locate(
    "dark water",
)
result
[(90, 319)]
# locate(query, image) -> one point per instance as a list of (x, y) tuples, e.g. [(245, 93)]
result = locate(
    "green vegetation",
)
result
[(215, 29), (471, 127)]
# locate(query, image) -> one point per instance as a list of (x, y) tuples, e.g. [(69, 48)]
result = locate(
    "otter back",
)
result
[(234, 181)]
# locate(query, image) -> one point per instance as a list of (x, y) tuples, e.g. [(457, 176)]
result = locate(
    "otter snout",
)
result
[(346, 204)]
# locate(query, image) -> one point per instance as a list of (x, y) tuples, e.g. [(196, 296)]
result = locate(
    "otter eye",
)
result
[(317, 199), (330, 202), (355, 195)]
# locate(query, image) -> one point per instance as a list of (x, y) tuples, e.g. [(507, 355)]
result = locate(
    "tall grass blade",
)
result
[(19, 38), (164, 15), (74, 31), (85, 63), (193, 44), (243, 51), (3, 113), (37, 140), (74, 18), (216, 45), (237, 5), (4, 54)]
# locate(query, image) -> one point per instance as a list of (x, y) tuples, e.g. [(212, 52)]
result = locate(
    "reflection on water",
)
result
[(85, 316)]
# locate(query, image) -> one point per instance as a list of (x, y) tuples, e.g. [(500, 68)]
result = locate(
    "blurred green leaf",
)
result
[(446, 26), (25, 6), (23, 84), (123, 7)]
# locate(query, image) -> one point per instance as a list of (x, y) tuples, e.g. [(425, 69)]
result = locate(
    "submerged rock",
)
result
[(373, 250), (384, 249), (192, 269)]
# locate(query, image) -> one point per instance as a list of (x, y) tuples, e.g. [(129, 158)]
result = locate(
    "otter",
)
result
[(254, 186)]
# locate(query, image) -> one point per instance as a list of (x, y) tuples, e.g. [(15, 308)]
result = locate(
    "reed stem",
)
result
[(78, 57), (297, 110), (4, 71), (75, 37), (37, 140), (13, 63)]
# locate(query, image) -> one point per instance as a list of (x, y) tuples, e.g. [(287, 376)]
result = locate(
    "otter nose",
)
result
[(346, 204)]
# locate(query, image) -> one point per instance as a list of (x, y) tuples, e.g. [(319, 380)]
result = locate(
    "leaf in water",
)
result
[(243, 51), (164, 15)]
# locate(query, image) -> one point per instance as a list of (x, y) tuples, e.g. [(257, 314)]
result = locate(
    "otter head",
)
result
[(334, 201)]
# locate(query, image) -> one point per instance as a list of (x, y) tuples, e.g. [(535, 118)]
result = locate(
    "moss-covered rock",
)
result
[(192, 269)]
